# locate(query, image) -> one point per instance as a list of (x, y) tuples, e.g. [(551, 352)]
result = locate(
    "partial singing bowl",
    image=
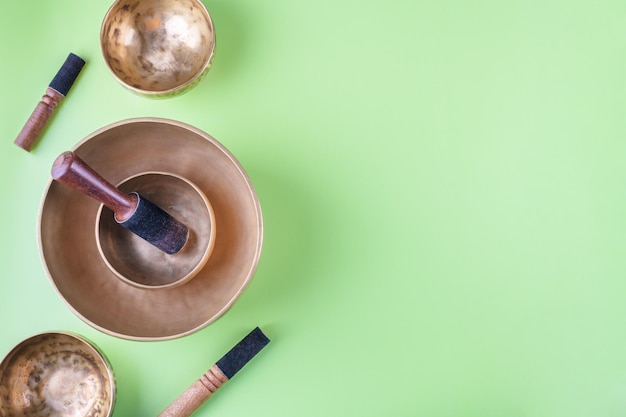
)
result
[(68, 242), (56, 374), (139, 263), (157, 48)]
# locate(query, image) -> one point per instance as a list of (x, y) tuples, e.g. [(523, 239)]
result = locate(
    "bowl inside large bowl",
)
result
[(56, 374), (157, 47), (68, 244), (138, 262)]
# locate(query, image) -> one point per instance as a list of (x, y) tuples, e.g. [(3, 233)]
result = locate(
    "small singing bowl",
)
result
[(158, 48), (56, 374), (141, 264)]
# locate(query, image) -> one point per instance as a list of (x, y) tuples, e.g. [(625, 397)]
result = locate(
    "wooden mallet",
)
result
[(56, 91), (223, 370), (132, 211)]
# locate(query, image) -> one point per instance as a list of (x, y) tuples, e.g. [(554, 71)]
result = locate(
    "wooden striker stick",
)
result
[(72, 171), (131, 210), (218, 374), (56, 91)]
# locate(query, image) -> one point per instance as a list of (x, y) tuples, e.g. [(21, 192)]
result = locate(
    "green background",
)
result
[(442, 184)]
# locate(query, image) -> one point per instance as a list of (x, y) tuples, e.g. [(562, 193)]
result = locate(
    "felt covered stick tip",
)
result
[(246, 349), (64, 79), (156, 226)]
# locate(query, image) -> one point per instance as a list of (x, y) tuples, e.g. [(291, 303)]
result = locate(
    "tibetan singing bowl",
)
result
[(56, 374), (138, 262), (69, 246), (157, 48)]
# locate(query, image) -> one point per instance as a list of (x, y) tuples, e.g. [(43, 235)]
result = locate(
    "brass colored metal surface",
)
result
[(68, 243), (157, 48), (56, 374), (140, 263)]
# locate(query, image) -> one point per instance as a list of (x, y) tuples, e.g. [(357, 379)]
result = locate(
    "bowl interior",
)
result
[(138, 262), (155, 46), (68, 245), (56, 374)]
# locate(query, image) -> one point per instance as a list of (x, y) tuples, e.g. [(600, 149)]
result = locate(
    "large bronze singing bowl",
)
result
[(68, 243), (157, 48)]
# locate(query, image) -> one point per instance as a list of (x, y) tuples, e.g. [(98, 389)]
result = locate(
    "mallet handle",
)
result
[(38, 119), (56, 91), (72, 171), (196, 394)]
